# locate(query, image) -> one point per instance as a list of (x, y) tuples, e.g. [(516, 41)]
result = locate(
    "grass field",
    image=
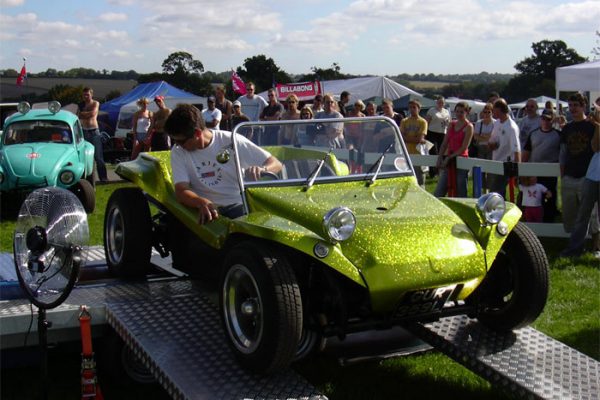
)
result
[(572, 316), (428, 84)]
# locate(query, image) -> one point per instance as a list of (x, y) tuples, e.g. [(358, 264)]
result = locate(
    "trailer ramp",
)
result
[(525, 362)]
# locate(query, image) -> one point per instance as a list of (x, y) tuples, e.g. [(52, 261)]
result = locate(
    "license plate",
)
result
[(424, 301)]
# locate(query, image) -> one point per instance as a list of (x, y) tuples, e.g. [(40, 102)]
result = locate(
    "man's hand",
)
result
[(253, 173), (207, 211)]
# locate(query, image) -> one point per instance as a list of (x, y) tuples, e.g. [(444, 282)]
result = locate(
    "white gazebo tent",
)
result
[(578, 77)]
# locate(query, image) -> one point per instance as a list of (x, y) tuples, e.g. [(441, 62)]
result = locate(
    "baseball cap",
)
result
[(237, 103), (156, 98), (548, 114), (211, 98)]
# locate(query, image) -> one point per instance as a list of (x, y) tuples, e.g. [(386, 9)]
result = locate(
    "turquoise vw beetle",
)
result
[(46, 147), (341, 240)]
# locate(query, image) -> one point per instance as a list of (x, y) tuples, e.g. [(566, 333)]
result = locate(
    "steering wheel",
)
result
[(269, 174)]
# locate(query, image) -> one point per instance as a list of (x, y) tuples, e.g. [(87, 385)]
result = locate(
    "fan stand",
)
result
[(43, 325)]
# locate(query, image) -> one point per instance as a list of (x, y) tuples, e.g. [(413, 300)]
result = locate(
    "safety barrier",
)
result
[(479, 166)]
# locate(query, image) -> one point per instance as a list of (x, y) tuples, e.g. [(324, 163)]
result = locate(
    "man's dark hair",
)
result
[(493, 94), (578, 98), (344, 94), (184, 120), (88, 89)]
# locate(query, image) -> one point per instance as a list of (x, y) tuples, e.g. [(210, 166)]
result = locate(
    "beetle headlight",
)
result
[(339, 223), (54, 106), (66, 177), (23, 107), (491, 208)]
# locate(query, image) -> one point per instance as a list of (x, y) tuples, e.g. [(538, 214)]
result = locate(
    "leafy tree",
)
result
[(181, 62), (548, 55), (9, 72), (113, 94), (325, 74), (263, 72), (66, 94), (596, 49)]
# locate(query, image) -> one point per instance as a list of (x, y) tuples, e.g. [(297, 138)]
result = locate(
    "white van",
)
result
[(125, 118)]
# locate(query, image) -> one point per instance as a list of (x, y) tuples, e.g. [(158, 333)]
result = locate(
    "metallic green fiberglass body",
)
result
[(340, 239)]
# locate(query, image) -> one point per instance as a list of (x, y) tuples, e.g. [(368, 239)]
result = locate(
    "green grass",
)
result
[(572, 316)]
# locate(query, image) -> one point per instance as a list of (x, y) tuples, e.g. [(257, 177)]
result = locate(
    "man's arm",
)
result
[(271, 164), (207, 211), (93, 113)]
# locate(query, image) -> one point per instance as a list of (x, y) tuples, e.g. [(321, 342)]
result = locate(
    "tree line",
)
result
[(534, 77)]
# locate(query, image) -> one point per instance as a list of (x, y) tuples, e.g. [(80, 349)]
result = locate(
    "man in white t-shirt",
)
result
[(202, 178), (504, 143), (212, 115), (252, 104)]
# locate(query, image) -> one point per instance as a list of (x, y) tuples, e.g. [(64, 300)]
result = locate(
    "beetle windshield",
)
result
[(355, 144), (37, 131)]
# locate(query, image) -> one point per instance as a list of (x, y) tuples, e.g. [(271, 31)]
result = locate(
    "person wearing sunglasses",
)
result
[(202, 178)]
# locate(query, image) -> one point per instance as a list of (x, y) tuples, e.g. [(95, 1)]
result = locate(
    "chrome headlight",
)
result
[(491, 208), (23, 107), (54, 106), (66, 177), (339, 223)]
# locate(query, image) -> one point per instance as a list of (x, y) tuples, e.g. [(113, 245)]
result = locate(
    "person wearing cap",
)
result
[(159, 140), (530, 122), (543, 146), (238, 117), (141, 123), (212, 115)]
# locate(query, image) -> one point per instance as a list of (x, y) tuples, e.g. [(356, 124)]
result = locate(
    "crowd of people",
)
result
[(540, 137)]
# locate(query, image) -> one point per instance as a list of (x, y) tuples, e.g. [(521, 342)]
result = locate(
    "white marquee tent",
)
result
[(579, 77), (364, 88)]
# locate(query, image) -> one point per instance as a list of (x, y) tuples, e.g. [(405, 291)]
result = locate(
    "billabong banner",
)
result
[(304, 90)]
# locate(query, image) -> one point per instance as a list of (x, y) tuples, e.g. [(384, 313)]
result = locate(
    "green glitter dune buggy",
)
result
[(342, 240)]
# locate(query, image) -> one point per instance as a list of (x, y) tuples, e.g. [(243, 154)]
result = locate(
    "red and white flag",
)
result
[(237, 83), (22, 76)]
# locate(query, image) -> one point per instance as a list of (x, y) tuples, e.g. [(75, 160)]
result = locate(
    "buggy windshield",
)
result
[(37, 131), (350, 148)]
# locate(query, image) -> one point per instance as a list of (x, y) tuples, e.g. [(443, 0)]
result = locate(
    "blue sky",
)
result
[(381, 37)]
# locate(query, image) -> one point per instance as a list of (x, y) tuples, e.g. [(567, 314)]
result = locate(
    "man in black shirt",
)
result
[(575, 156)]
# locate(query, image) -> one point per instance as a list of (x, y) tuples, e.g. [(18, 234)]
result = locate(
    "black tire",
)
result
[(91, 178), (86, 193), (262, 282), (310, 343), (514, 292), (128, 233), (120, 363)]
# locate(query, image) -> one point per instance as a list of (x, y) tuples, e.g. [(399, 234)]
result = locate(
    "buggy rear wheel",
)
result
[(261, 307), (128, 233), (514, 292)]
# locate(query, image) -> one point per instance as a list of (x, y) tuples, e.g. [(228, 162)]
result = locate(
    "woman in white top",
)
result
[(140, 125)]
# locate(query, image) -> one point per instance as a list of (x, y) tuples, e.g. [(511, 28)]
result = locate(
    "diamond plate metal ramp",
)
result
[(181, 341), (525, 362)]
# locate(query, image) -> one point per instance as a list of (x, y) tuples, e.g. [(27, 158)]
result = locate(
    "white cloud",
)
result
[(11, 3), (112, 17)]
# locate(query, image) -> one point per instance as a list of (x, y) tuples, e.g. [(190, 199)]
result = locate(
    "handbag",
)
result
[(473, 147)]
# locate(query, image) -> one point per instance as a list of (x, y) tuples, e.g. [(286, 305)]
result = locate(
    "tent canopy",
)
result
[(579, 77), (364, 88), (148, 90), (541, 102)]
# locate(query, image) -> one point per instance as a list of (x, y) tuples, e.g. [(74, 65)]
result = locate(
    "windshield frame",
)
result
[(340, 154)]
